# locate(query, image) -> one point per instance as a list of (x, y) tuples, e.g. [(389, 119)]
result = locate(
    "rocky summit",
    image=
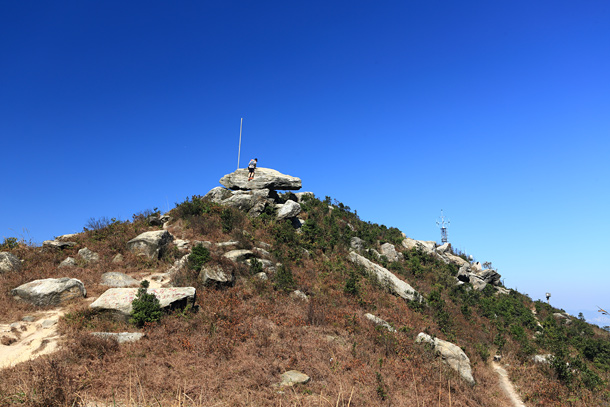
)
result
[(264, 178)]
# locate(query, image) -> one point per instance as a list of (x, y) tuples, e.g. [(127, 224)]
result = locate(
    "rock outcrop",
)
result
[(57, 245), (386, 278), (293, 377), (379, 322), (451, 354), (9, 262), (288, 210), (478, 279), (150, 244), (118, 300), (50, 291), (264, 178), (216, 276)]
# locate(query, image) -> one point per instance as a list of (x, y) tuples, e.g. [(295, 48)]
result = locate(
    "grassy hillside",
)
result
[(233, 348)]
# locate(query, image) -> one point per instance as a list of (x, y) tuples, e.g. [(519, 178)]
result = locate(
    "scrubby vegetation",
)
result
[(232, 351)]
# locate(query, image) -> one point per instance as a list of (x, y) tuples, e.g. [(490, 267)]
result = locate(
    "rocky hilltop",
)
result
[(258, 290)]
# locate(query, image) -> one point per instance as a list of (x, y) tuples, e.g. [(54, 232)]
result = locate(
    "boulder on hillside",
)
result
[(264, 178), (68, 262), (292, 377), (57, 245), (150, 244), (216, 276), (389, 251), (50, 291), (9, 262), (121, 337), (490, 276), (288, 210), (88, 255), (217, 194), (379, 322), (386, 278), (118, 300), (451, 354), (116, 279), (356, 243), (239, 255)]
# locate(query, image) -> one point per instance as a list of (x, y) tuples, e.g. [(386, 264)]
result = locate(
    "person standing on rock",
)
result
[(251, 168)]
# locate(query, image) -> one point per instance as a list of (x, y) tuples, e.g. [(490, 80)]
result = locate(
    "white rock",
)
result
[(379, 322), (288, 210), (386, 278), (9, 262), (119, 300), (50, 291), (451, 354), (150, 244), (68, 262)]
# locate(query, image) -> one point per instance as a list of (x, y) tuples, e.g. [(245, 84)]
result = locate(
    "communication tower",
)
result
[(443, 224)]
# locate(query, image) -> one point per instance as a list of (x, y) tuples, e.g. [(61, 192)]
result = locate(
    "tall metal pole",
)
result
[(239, 151)]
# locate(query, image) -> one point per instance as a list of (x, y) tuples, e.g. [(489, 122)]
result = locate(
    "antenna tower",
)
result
[(443, 224)]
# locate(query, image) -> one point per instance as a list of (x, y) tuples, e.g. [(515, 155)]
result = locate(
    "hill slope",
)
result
[(248, 328)]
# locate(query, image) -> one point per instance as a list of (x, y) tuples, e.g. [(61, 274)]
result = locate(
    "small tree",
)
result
[(145, 307)]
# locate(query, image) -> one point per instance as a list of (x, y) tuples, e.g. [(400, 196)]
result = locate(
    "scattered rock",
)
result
[(68, 262), (67, 236), (239, 255), (117, 259), (217, 194), (389, 251), (150, 244), (118, 300), (50, 291), (216, 276), (299, 295), (264, 178), (47, 323), (386, 278), (56, 244), (121, 337), (293, 377), (261, 276), (227, 244), (181, 245), (9, 262), (288, 210), (356, 243), (545, 359), (303, 196), (88, 255), (379, 322), (116, 279), (264, 245), (451, 354), (28, 318)]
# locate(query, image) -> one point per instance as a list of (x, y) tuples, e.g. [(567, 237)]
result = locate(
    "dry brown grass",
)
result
[(232, 352)]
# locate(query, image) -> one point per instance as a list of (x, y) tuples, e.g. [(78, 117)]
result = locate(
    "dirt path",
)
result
[(26, 340), (507, 385)]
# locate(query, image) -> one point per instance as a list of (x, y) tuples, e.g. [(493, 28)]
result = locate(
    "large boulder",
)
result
[(118, 300), (379, 322), (150, 244), (216, 276), (9, 262), (264, 178), (239, 255), (50, 291), (386, 278), (217, 194), (389, 251), (490, 276), (451, 354), (288, 210)]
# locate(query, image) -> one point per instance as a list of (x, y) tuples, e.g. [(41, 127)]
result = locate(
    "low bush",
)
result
[(145, 307)]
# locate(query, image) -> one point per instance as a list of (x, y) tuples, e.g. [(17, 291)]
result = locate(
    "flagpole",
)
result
[(239, 151)]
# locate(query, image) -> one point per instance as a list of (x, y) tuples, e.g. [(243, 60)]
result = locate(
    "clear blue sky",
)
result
[(497, 112)]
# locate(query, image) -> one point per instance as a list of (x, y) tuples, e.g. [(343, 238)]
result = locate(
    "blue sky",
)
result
[(495, 112)]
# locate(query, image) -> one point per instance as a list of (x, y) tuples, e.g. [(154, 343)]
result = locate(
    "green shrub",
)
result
[(256, 266), (198, 257), (145, 307), (283, 279), (9, 243), (352, 286)]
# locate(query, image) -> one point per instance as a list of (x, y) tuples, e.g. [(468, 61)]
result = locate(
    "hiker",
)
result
[(251, 168)]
